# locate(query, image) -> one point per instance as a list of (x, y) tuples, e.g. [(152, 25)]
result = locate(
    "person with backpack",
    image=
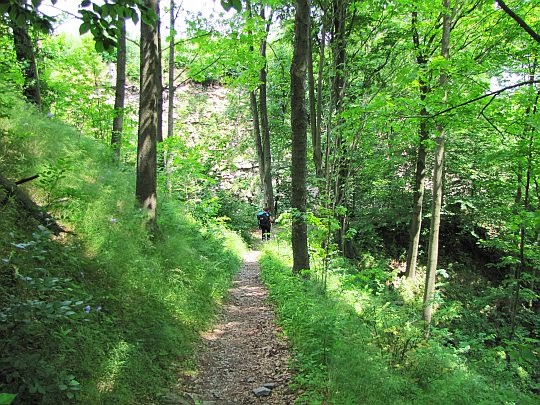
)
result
[(265, 223)]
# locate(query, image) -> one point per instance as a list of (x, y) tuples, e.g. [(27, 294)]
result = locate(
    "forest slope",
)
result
[(106, 313)]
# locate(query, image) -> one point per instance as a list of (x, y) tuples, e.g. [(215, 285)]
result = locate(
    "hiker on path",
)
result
[(265, 223)]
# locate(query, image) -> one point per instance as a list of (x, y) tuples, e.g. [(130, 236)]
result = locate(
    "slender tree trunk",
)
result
[(438, 169), (299, 136), (320, 95), (524, 201), (170, 111), (415, 226), (146, 185), (24, 50), (418, 200), (265, 126), (119, 92), (338, 90), (433, 249), (313, 115), (255, 116), (257, 134), (159, 81)]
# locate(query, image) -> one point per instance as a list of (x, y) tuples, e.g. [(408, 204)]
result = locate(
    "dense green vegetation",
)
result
[(355, 340), (419, 204), (106, 313)]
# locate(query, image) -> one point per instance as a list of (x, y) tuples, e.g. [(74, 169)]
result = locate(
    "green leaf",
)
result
[(134, 17), (149, 17), (85, 3), (6, 399), (99, 46), (84, 28), (228, 4)]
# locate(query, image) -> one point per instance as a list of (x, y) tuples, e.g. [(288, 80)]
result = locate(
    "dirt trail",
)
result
[(244, 352)]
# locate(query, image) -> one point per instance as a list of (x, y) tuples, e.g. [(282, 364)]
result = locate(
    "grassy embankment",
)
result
[(361, 343), (106, 313)]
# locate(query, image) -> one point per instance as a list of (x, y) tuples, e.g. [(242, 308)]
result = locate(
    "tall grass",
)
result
[(106, 313), (357, 346)]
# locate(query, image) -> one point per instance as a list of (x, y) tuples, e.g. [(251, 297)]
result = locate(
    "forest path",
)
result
[(243, 353)]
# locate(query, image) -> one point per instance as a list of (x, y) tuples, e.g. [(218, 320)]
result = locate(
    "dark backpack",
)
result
[(264, 218)]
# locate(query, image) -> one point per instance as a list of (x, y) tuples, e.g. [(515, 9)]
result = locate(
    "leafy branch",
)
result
[(492, 94), (519, 20)]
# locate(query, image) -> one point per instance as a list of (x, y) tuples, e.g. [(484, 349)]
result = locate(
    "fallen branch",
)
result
[(27, 204), (27, 179)]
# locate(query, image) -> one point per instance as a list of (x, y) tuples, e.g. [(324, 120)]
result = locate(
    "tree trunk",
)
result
[(255, 116), (120, 92), (313, 115), (338, 90), (24, 50), (418, 201), (299, 136), (159, 81), (438, 169), (415, 226), (433, 250), (524, 201), (146, 186), (257, 135), (265, 126), (170, 111), (319, 92)]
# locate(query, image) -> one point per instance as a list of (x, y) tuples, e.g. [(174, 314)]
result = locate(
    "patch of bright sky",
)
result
[(71, 24)]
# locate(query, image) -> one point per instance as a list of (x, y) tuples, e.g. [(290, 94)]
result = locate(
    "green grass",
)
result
[(356, 345), (106, 313)]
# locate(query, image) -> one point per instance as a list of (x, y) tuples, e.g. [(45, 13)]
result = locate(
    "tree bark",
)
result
[(24, 50), (433, 249), (338, 90), (415, 226), (418, 201), (265, 126), (119, 92), (524, 201), (255, 116), (319, 94), (146, 186), (257, 134), (313, 115), (438, 169), (299, 136), (171, 89), (159, 80)]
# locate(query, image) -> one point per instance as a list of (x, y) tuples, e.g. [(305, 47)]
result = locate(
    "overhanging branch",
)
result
[(519, 20), (491, 94)]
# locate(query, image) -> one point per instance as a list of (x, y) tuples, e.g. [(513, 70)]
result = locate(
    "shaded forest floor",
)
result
[(244, 360)]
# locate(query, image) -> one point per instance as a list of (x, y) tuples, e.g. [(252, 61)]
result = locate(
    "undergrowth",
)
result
[(357, 341), (105, 313)]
